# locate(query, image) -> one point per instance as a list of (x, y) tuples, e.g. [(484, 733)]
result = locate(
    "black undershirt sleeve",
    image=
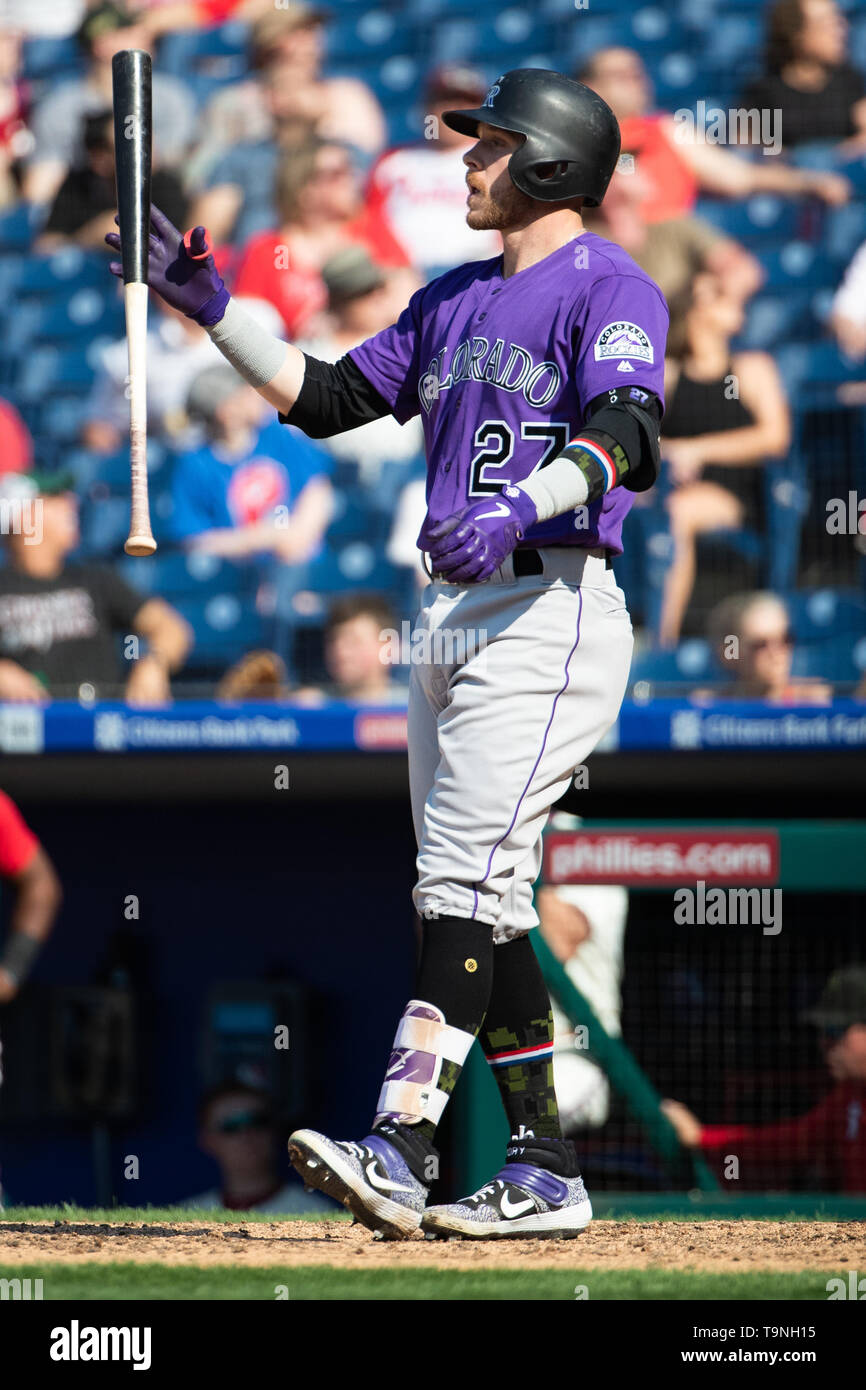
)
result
[(333, 398)]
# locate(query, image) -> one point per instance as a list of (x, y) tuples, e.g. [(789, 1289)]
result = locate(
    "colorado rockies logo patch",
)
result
[(623, 340)]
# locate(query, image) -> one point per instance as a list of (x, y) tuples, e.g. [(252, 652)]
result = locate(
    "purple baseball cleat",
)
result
[(539, 1192), (384, 1181)]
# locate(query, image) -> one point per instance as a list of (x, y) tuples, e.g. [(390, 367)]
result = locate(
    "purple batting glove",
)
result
[(181, 269), (468, 548)]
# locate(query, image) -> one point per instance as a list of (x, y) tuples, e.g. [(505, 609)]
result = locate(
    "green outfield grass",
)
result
[(137, 1282)]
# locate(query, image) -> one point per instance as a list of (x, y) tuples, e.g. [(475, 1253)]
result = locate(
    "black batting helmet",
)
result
[(563, 123)]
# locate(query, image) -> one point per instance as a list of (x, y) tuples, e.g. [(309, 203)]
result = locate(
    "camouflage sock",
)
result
[(517, 1037)]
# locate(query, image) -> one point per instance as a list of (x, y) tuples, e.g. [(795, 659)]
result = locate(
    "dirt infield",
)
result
[(719, 1246)]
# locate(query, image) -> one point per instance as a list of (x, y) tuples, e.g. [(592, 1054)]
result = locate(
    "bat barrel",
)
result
[(133, 127)]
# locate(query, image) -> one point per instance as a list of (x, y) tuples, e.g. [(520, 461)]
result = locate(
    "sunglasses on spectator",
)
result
[(760, 644), (242, 1121)]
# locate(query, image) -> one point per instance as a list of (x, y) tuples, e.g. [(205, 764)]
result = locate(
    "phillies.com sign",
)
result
[(658, 857)]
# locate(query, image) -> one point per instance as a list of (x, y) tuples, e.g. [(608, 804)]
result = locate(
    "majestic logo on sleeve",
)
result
[(623, 340)]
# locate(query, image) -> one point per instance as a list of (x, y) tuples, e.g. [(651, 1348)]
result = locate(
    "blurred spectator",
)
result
[(15, 138), (676, 169), (60, 622), (848, 310), (320, 211), (361, 302), (169, 16), (828, 1143), (16, 443), (237, 1129), (584, 926), (420, 190), (672, 252), (177, 351), (358, 637), (58, 120), (726, 413), (86, 202), (58, 20), (35, 899), (807, 77), (285, 102), (752, 642), (250, 489)]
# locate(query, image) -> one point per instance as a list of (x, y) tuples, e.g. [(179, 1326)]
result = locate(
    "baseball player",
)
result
[(537, 376)]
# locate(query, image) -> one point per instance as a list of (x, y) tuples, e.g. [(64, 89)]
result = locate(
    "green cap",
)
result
[(842, 1001)]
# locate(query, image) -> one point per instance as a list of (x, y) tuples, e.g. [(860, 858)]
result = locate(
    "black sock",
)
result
[(517, 1038), (455, 974)]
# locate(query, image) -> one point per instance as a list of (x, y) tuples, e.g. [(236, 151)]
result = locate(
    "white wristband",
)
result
[(253, 352), (558, 488)]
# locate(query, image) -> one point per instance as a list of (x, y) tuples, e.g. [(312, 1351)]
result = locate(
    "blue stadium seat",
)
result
[(844, 232), (19, 226), (104, 524), (225, 626), (838, 659), (819, 614), (50, 57), (48, 370), (796, 263), (761, 217), (85, 314), (206, 59), (815, 365), (787, 504), (689, 663), (177, 574), (776, 318), (58, 273)]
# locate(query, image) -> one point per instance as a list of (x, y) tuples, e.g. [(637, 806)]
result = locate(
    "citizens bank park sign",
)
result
[(656, 857)]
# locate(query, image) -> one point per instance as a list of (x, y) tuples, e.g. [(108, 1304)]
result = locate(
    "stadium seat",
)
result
[(48, 370), (838, 659), (689, 663), (225, 626), (86, 313), (49, 57), (67, 268), (763, 216), (175, 574), (19, 226), (776, 318), (819, 614), (206, 59)]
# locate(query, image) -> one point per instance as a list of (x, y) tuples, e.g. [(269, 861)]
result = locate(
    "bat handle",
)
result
[(140, 539)]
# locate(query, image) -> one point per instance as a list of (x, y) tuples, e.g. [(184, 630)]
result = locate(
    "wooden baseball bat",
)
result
[(131, 79)]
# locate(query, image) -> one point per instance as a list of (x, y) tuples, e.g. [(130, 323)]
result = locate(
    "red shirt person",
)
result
[(26, 869), (828, 1142), (319, 202)]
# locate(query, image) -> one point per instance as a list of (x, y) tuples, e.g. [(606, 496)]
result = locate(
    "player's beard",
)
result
[(501, 207)]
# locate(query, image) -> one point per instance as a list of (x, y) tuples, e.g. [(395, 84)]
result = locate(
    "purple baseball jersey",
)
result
[(502, 372)]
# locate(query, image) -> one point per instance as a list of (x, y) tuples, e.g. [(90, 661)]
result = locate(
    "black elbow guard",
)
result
[(333, 398), (631, 417)]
